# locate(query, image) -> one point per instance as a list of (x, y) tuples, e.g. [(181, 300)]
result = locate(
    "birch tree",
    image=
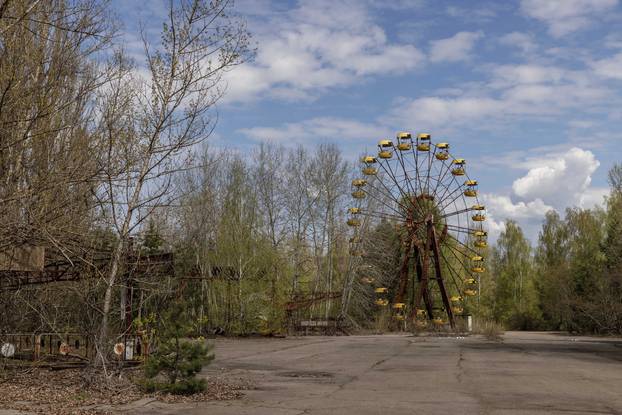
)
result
[(151, 123)]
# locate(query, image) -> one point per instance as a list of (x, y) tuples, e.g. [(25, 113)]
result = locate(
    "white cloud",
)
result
[(593, 197), (609, 67), (527, 74), (503, 208), (559, 180), (453, 49), (613, 41), (470, 14), (566, 16), (397, 4), (499, 208), (319, 45), (553, 182), (431, 112), (523, 41), (328, 128), (513, 91)]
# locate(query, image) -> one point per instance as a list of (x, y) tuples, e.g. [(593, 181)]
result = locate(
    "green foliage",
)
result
[(574, 279), (489, 329), (152, 241), (515, 297), (551, 263), (175, 360)]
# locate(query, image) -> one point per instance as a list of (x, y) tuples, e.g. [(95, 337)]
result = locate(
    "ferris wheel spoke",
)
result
[(406, 177), (458, 228), (458, 212), (448, 192), (463, 244), (454, 249), (391, 174), (417, 169), (404, 195), (455, 197), (455, 276), (413, 191), (389, 194), (380, 215), (427, 179), (453, 179), (447, 167), (453, 273), (460, 260)]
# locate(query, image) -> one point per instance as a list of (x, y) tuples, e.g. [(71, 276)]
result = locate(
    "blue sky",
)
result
[(529, 91)]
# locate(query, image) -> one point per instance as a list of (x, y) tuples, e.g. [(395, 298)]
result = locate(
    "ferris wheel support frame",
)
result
[(414, 245)]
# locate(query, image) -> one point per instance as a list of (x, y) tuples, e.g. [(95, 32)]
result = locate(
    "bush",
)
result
[(175, 360), (489, 329)]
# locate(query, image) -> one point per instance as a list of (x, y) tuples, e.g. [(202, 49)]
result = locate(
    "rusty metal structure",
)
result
[(297, 314), (35, 266), (426, 195), (67, 348), (57, 268)]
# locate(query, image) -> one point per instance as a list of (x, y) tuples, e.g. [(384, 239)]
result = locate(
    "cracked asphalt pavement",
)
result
[(526, 373)]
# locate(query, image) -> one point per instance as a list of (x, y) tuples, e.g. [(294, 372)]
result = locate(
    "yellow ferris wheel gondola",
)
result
[(385, 146), (369, 161), (471, 188), (358, 194), (479, 217), (404, 141), (478, 264), (481, 240), (353, 222), (442, 151), (423, 142), (458, 169)]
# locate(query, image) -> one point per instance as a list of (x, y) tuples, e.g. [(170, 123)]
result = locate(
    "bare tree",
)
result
[(267, 176), (150, 124), (48, 81)]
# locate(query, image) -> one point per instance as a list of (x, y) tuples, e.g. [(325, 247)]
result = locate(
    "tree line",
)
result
[(571, 280), (104, 158)]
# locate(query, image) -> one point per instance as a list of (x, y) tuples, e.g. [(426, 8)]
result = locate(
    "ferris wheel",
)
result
[(431, 206)]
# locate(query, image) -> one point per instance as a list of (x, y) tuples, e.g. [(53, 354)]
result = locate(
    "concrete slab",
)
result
[(527, 373)]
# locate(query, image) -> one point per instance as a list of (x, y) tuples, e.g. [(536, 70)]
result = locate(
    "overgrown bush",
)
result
[(176, 359), (489, 329)]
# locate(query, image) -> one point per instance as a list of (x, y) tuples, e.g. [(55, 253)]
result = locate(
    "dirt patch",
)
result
[(76, 391)]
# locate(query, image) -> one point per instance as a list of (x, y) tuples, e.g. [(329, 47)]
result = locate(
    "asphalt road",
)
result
[(526, 373)]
